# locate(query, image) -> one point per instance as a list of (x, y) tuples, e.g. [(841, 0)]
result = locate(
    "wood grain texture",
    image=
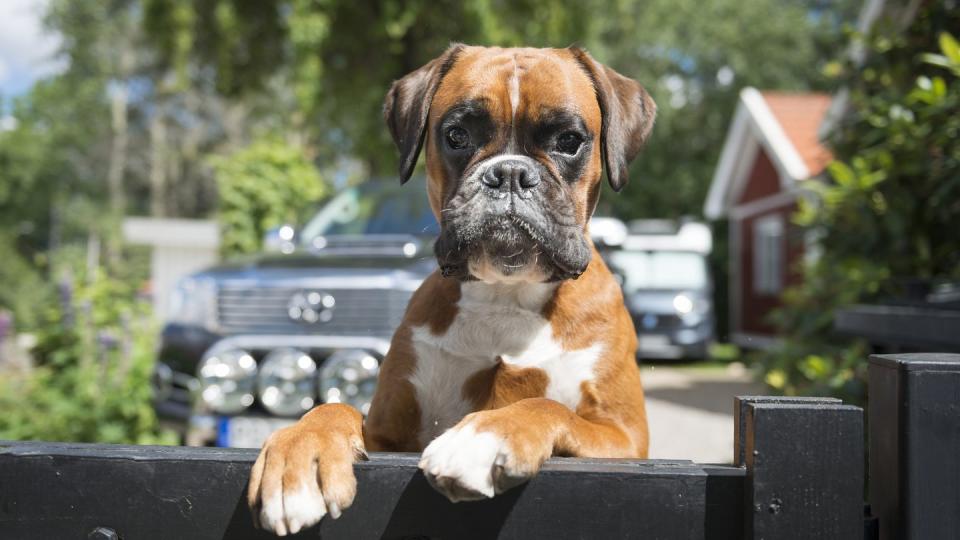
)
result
[(915, 445), (53, 490), (804, 464)]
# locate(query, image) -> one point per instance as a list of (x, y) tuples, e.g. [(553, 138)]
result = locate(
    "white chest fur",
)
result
[(493, 321)]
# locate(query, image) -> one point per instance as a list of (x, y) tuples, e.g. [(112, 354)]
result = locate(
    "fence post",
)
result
[(804, 461), (915, 445), (740, 404)]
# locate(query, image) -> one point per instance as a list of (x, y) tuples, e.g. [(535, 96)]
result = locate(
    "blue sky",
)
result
[(26, 51)]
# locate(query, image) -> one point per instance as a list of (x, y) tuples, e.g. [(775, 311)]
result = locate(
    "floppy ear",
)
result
[(627, 112), (408, 104)]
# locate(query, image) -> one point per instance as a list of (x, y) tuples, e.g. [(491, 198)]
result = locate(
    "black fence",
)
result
[(799, 475)]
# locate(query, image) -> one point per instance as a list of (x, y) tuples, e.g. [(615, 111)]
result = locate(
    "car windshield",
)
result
[(659, 269), (374, 208)]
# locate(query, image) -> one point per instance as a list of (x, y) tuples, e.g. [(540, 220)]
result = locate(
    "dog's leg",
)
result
[(491, 451), (305, 471)]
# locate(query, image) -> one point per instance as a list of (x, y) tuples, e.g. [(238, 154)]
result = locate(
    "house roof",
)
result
[(800, 116), (786, 127)]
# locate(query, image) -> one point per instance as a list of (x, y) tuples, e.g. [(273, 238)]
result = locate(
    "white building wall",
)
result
[(179, 248)]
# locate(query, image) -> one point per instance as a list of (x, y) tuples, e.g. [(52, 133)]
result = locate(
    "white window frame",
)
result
[(769, 254)]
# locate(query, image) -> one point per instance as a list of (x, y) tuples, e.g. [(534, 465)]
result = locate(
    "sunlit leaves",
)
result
[(93, 360), (950, 57), (268, 184), (338, 58), (887, 214)]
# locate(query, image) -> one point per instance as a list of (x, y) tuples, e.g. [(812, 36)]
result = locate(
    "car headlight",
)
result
[(287, 382), (683, 304), (227, 380), (349, 376), (194, 302), (691, 309)]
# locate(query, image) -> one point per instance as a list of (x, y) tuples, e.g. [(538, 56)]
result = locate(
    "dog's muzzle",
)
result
[(510, 218), (513, 175)]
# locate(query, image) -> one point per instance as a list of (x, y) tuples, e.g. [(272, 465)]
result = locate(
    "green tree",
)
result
[(49, 164), (887, 218), (265, 185), (340, 57), (694, 57), (94, 359)]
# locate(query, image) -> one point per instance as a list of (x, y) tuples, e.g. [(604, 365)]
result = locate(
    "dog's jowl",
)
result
[(519, 346)]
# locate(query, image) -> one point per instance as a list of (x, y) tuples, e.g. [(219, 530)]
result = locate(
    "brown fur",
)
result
[(485, 73), (394, 418), (610, 419), (504, 384)]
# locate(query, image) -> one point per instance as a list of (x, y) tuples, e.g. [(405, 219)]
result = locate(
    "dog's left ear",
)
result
[(627, 112), (407, 107)]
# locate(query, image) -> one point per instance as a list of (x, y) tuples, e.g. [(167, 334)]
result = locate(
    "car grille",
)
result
[(181, 388), (365, 312), (661, 322)]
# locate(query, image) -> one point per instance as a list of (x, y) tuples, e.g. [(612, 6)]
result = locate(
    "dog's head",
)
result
[(516, 141)]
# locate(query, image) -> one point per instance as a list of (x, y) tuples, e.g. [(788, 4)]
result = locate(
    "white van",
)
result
[(666, 283)]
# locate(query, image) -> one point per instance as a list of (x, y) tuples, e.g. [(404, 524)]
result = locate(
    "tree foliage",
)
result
[(265, 185), (201, 78), (152, 89), (887, 218), (94, 357), (339, 58)]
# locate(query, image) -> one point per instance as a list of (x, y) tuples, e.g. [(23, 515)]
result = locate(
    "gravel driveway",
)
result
[(690, 410)]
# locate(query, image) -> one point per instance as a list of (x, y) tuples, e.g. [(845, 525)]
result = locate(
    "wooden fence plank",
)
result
[(915, 445), (804, 464), (740, 404), (54, 490)]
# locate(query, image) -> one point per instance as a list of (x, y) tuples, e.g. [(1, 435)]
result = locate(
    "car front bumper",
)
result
[(656, 347), (177, 391), (675, 344)]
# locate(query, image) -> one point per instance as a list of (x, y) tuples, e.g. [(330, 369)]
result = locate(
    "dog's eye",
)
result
[(458, 138), (569, 143)]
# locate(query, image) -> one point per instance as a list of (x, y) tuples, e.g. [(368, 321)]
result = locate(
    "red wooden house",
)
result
[(772, 149)]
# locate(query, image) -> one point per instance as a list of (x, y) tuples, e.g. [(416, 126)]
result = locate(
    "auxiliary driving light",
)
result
[(227, 380), (349, 376), (287, 382)]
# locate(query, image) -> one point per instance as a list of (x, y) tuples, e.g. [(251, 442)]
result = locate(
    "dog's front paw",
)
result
[(467, 463), (301, 475)]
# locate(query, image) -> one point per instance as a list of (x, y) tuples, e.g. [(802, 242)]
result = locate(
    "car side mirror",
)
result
[(280, 239)]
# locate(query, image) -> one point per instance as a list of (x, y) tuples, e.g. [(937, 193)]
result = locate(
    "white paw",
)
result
[(465, 465), (294, 510)]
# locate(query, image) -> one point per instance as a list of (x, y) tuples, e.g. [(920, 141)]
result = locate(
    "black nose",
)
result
[(514, 172)]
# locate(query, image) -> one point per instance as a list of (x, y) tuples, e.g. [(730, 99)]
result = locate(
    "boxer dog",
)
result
[(519, 347)]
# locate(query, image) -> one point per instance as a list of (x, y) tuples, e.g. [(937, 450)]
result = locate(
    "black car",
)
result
[(253, 344)]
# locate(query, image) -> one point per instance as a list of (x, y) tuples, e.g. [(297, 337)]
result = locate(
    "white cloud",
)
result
[(26, 48)]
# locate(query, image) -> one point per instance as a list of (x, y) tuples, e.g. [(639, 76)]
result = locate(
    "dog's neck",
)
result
[(526, 296)]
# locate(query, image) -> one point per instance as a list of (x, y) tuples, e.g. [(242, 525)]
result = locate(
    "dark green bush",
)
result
[(888, 214), (91, 379)]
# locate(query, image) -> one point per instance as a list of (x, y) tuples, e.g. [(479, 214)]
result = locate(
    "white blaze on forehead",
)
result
[(514, 85)]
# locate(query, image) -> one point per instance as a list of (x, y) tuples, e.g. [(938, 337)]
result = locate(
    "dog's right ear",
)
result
[(628, 113), (407, 107)]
